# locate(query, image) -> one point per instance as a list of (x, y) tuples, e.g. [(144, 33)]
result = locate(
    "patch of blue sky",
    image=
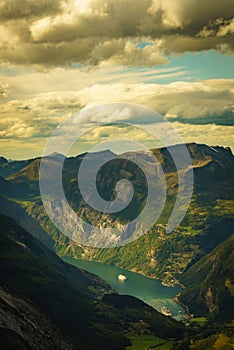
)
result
[(143, 44), (187, 67), (206, 64), (154, 75)]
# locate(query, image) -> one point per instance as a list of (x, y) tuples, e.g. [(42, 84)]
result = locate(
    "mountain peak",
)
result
[(55, 154), (3, 161)]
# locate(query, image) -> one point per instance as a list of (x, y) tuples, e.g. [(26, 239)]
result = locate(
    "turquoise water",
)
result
[(147, 289)]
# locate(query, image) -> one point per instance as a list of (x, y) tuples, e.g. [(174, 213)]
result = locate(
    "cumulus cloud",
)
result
[(216, 135), (24, 128), (186, 103), (194, 14), (112, 132), (37, 116), (129, 32), (204, 102), (11, 9), (227, 28)]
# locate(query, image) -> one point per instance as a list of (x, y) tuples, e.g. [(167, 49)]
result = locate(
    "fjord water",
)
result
[(146, 289)]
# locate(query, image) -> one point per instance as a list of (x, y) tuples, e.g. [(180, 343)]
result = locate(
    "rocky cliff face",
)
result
[(211, 301), (23, 326)]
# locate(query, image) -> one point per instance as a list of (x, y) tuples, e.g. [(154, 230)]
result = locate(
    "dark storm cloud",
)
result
[(19, 9), (128, 32)]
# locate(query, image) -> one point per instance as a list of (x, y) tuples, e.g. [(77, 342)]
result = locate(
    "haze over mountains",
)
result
[(198, 254)]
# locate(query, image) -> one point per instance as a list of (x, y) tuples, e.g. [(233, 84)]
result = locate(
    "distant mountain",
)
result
[(3, 161), (8, 168), (46, 303), (212, 166), (29, 171)]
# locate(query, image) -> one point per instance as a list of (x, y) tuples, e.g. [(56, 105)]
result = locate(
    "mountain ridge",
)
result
[(208, 222), (193, 148)]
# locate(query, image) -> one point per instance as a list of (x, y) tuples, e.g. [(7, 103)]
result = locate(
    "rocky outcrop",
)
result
[(24, 326), (211, 301)]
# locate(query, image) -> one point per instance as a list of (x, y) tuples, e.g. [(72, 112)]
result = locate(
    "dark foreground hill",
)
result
[(48, 304)]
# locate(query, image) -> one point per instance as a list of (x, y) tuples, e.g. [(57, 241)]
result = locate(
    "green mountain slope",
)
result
[(210, 283), (46, 287), (208, 222), (8, 168)]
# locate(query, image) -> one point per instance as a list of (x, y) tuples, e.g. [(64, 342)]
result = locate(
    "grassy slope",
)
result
[(144, 342)]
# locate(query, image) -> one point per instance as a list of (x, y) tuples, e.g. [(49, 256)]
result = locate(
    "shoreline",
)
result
[(178, 285), (173, 297), (185, 307)]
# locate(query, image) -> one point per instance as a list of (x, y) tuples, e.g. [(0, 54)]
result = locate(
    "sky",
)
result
[(59, 56)]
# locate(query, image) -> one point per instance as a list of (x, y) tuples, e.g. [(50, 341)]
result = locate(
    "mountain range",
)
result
[(197, 255)]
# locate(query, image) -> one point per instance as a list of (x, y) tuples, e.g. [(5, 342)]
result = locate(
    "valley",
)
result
[(146, 289), (81, 311), (195, 260)]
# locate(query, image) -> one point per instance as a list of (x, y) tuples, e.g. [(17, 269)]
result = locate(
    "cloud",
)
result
[(190, 103), (13, 128), (21, 148), (216, 135), (20, 9), (112, 132), (127, 32), (38, 116), (227, 28), (26, 82), (204, 102), (192, 15), (3, 89)]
